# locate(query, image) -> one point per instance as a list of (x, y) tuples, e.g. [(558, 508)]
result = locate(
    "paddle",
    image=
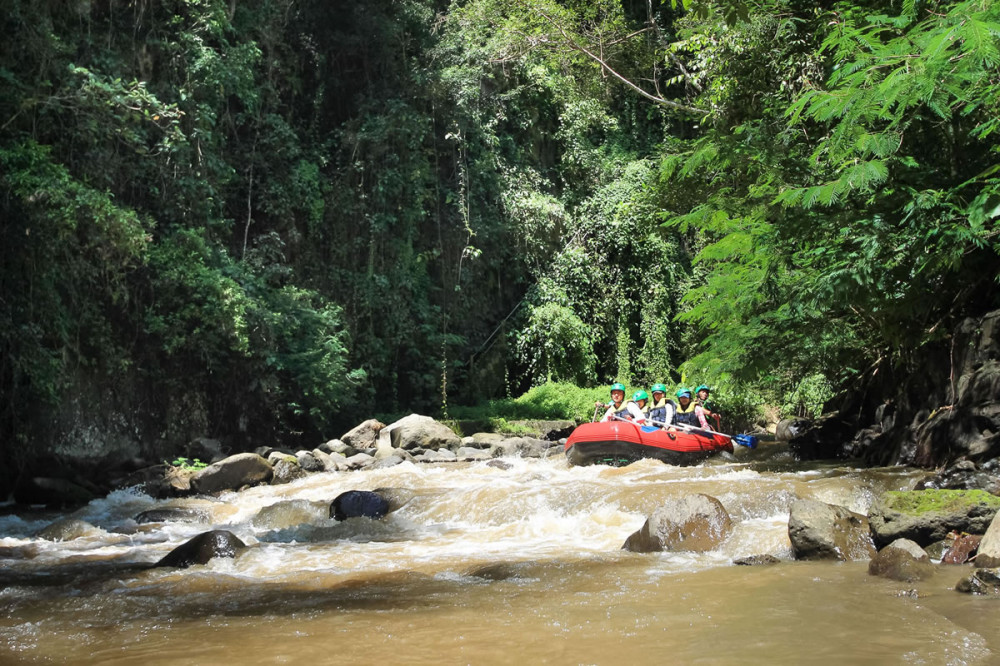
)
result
[(748, 441)]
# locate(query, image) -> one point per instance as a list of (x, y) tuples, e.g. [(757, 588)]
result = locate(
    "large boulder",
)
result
[(417, 432), (242, 469), (989, 547), (359, 504), (902, 560), (926, 516), (202, 548), (694, 523), (364, 436), (820, 531)]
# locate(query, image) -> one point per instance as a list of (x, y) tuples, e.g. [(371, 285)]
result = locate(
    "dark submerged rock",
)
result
[(820, 531), (67, 530), (359, 503), (172, 515), (202, 548), (695, 523)]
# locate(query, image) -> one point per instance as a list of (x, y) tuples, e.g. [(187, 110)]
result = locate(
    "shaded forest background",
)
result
[(267, 220)]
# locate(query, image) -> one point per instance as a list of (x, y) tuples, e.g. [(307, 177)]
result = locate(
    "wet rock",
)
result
[(756, 560), (335, 446), (523, 447), (902, 560), (551, 431), (357, 461), (962, 547), (820, 531), (789, 429), (468, 453), (441, 455), (416, 431), (500, 464), (242, 469), (68, 529), (827, 437), (160, 481), (982, 582), (202, 548), (387, 462), (286, 469), (963, 475), (282, 515), (326, 460), (483, 440), (357, 504), (695, 523), (172, 514), (926, 516), (989, 547), (364, 436), (308, 461)]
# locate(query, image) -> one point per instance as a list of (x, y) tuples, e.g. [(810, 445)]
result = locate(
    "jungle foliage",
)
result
[(271, 219)]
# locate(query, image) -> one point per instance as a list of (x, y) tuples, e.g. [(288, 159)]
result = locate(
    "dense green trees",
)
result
[(271, 218)]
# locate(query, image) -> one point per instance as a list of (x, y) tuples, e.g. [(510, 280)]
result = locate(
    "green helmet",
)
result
[(683, 392), (658, 388), (702, 388), (640, 395), (617, 387)]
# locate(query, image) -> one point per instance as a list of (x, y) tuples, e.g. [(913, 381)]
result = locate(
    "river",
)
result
[(515, 564)]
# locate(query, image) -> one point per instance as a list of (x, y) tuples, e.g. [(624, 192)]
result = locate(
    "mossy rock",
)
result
[(919, 502), (926, 516)]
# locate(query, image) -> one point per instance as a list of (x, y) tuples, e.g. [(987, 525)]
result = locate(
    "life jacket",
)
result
[(686, 416), (622, 412), (658, 411)]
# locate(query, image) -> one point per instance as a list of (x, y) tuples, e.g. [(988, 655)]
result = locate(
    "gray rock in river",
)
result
[(989, 547), (418, 432), (820, 531), (364, 436), (242, 469), (926, 516), (902, 560), (695, 523), (202, 548)]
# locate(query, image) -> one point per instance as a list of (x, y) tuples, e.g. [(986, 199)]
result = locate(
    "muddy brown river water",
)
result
[(482, 565)]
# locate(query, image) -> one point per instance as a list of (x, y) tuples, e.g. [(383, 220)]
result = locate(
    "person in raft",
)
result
[(660, 410), (617, 405), (701, 397), (618, 409), (639, 403), (689, 413)]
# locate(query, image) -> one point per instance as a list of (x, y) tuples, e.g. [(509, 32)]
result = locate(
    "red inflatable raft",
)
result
[(621, 443)]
